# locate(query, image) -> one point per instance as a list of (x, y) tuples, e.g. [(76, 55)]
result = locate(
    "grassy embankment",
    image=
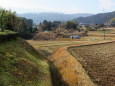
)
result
[(22, 65)]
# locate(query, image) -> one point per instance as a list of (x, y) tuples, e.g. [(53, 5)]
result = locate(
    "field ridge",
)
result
[(98, 61), (71, 70)]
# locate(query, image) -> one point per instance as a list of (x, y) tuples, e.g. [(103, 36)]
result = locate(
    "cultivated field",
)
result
[(110, 33), (48, 47), (98, 61), (70, 71)]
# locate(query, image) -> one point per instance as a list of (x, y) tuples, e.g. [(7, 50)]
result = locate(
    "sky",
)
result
[(61, 6)]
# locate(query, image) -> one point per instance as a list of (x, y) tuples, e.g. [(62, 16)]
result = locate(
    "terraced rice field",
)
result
[(98, 61), (48, 47)]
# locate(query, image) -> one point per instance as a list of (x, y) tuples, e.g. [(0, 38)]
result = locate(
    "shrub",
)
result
[(5, 36)]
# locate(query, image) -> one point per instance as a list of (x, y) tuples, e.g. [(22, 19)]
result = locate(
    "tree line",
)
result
[(50, 26), (9, 21)]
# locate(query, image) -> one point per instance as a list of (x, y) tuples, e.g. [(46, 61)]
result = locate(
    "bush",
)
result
[(8, 36), (45, 36)]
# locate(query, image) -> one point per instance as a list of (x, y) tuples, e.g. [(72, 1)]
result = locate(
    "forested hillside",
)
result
[(96, 19)]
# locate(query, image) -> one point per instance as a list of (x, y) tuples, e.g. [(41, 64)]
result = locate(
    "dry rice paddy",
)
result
[(98, 61)]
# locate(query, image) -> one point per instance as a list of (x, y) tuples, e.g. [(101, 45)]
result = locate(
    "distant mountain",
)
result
[(39, 17), (96, 19)]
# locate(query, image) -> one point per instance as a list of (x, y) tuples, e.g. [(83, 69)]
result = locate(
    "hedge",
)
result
[(8, 36)]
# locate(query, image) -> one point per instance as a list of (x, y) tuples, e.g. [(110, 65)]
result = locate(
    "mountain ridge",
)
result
[(52, 16), (97, 18)]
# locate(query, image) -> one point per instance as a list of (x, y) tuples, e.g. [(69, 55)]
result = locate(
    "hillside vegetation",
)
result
[(22, 65), (10, 21), (96, 19)]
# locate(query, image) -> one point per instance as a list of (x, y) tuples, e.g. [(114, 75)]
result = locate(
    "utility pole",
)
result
[(104, 34), (104, 28)]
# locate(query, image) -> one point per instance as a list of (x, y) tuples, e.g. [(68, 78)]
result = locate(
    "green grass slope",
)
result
[(22, 65)]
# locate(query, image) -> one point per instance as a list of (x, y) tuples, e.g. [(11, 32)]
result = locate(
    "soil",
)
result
[(98, 61)]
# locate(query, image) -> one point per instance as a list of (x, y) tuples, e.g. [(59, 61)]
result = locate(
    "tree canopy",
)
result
[(71, 25), (9, 21), (112, 20), (48, 26)]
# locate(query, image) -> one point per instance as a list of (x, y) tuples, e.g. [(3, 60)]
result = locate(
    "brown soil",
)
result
[(98, 61)]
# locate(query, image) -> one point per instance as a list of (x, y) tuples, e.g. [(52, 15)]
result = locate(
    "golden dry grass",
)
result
[(70, 69), (48, 47), (108, 34)]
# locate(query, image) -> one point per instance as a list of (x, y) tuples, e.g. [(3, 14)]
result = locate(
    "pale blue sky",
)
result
[(63, 6)]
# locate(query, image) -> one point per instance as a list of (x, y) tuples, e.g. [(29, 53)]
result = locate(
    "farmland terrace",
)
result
[(98, 61)]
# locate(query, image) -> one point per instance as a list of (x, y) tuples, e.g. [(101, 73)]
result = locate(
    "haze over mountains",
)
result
[(80, 17), (40, 17)]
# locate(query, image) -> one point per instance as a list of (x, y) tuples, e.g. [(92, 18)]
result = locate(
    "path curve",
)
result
[(69, 67)]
